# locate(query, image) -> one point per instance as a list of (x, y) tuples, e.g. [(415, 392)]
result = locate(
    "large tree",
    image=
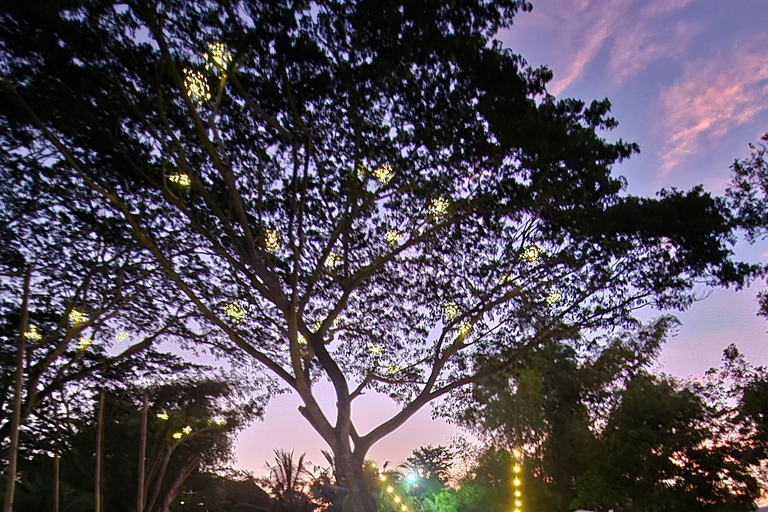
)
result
[(375, 193)]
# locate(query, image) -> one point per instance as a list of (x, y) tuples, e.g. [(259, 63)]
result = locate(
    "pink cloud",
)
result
[(712, 97)]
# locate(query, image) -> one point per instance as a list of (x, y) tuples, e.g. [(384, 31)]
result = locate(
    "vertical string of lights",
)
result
[(516, 482)]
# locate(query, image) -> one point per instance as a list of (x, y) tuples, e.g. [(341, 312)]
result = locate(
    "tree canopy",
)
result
[(380, 194)]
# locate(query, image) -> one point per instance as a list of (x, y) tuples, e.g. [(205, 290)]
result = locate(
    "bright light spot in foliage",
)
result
[(390, 489), (374, 350), (517, 482), (332, 260), (403, 508), (393, 236), (121, 336), (412, 477), (450, 311), (507, 279), (235, 311), (83, 343), (271, 240), (518, 503), (362, 170), (196, 85), (383, 174), (218, 57), (32, 333), (383, 477), (465, 328), (76, 317), (438, 207), (518, 494), (177, 435), (393, 369), (219, 421), (532, 254), (180, 178), (517, 468), (553, 297), (397, 499), (187, 430), (302, 340), (162, 415)]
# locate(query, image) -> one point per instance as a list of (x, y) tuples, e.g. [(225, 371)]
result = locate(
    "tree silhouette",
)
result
[(380, 195)]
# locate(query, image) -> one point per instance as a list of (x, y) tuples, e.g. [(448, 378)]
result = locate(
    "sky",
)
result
[(688, 80)]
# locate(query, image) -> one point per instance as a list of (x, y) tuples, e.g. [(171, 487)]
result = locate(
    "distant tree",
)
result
[(380, 194), (431, 462)]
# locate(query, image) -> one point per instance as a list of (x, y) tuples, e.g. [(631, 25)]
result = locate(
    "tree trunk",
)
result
[(99, 442), (142, 456), (350, 470), (56, 482), (19, 386), (181, 477)]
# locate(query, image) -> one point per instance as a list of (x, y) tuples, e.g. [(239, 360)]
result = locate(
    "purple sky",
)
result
[(688, 80)]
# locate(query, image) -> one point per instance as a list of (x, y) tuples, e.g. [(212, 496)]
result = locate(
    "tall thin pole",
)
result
[(56, 482), (99, 442), (18, 388), (142, 455)]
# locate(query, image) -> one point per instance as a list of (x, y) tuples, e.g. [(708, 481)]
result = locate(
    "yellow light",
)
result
[(518, 503), (392, 236), (302, 340), (383, 477), (373, 465), (438, 207), (390, 489), (507, 279), (84, 343), (403, 508), (517, 482), (219, 421), (162, 415), (362, 170), (218, 57), (32, 333), (332, 260), (516, 453), (76, 317), (393, 369), (236, 311), (177, 435), (516, 469), (532, 254), (450, 311), (187, 430), (464, 328), (518, 494), (180, 178), (383, 174), (272, 240), (397, 499), (374, 350), (196, 85), (121, 336), (517, 510), (553, 297)]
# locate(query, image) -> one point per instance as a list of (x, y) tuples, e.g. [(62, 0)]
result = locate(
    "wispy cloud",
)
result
[(712, 97)]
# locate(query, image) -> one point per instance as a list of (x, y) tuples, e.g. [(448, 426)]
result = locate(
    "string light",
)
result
[(272, 240), (438, 207), (450, 311), (121, 336), (218, 58), (180, 178), (390, 489), (163, 416), (235, 310), (465, 328), (392, 236), (374, 349), (177, 435), (76, 317), (393, 369), (553, 297), (532, 254), (362, 170), (516, 469), (302, 340), (383, 174), (196, 85), (32, 333), (507, 279), (187, 430), (383, 477), (332, 260), (219, 421), (83, 343)]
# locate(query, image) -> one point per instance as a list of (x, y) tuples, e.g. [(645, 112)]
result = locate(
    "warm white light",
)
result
[(383, 174), (517, 468), (518, 503), (272, 240), (374, 350), (162, 415), (218, 57), (553, 297), (397, 499), (390, 489), (177, 435), (517, 482), (219, 421), (383, 477), (32, 333), (518, 494), (84, 343), (332, 260), (450, 311), (516, 453), (236, 311), (180, 178), (76, 317), (438, 207), (404, 508), (393, 236), (302, 340), (532, 254), (393, 369), (196, 85), (121, 336), (187, 430), (464, 328), (506, 279)]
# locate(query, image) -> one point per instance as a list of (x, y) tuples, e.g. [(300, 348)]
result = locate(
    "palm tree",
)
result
[(288, 483)]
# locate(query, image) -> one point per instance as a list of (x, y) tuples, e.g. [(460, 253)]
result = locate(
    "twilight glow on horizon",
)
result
[(688, 80)]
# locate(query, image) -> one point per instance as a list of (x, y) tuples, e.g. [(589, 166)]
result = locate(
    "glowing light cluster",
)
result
[(163, 416), (235, 311), (553, 297), (121, 336), (450, 311), (465, 328), (391, 490), (218, 57), (83, 343), (532, 254), (375, 350), (516, 482), (184, 432), (302, 340), (393, 369), (438, 207), (362, 170), (76, 317), (219, 421), (177, 435), (32, 333), (393, 236), (196, 85), (272, 241), (507, 279), (384, 174), (180, 178), (332, 260)]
